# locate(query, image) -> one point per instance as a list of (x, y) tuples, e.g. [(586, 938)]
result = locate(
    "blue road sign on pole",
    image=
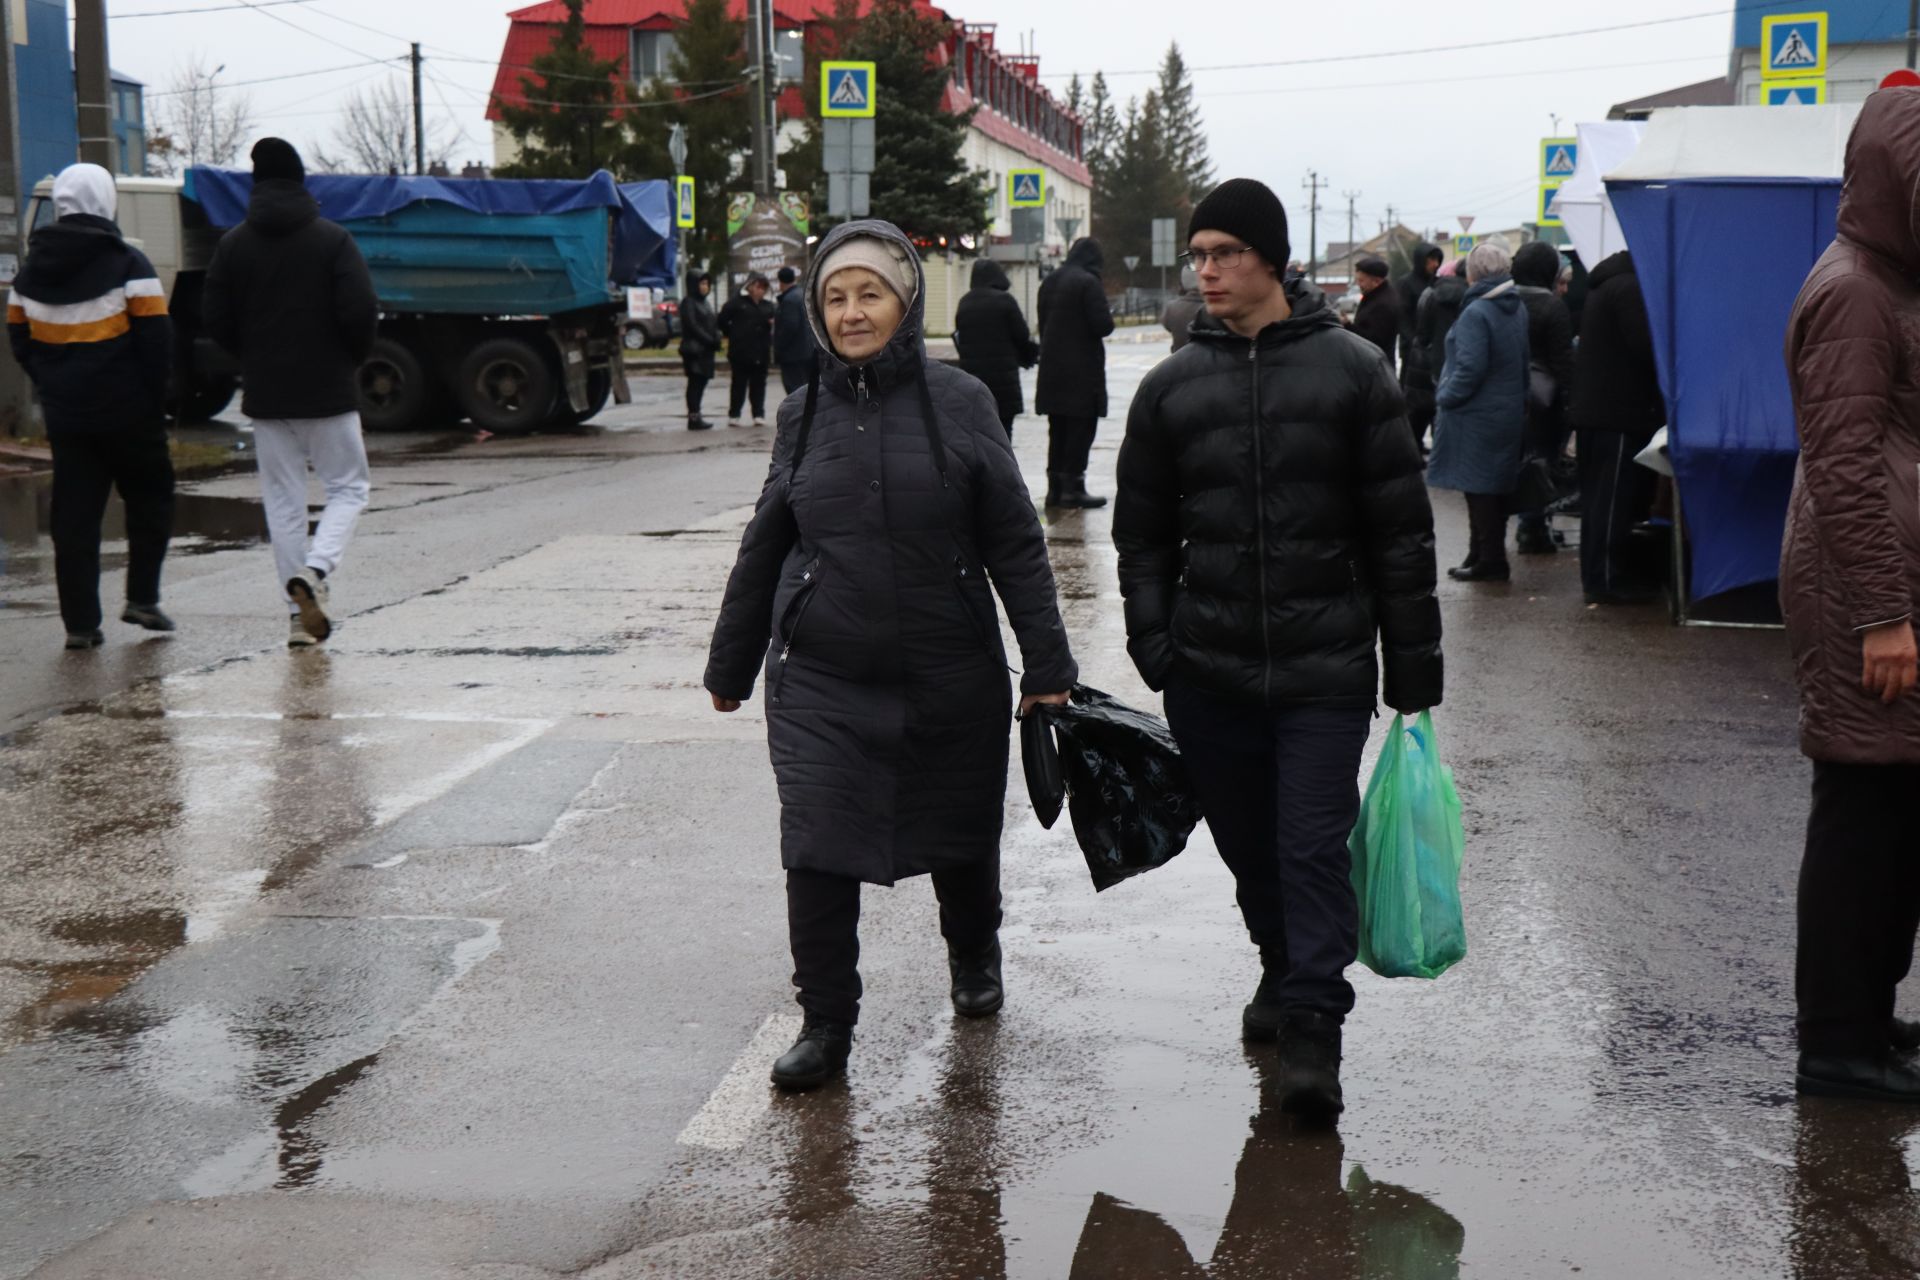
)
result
[(1558, 157), (683, 201), (1026, 188), (1793, 45), (846, 89), (1794, 93)]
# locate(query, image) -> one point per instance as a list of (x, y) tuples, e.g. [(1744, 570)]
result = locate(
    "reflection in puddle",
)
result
[(202, 523)]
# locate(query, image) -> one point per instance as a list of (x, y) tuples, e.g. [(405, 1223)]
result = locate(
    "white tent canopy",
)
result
[(1583, 205), (1741, 142)]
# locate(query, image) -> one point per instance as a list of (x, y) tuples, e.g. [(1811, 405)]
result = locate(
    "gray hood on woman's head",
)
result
[(905, 352)]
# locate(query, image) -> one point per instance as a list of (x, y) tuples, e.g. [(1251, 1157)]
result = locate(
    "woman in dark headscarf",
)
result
[(892, 501), (699, 340)]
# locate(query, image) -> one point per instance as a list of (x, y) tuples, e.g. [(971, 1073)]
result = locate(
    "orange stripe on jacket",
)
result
[(139, 305), (16, 314), (91, 331)]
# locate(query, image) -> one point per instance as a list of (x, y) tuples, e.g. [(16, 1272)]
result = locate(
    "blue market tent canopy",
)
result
[(1725, 210)]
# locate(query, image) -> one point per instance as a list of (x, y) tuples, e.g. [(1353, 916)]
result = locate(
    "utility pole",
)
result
[(1393, 236), (93, 82), (1315, 185), (419, 118), (16, 404), (1353, 250), (760, 85)]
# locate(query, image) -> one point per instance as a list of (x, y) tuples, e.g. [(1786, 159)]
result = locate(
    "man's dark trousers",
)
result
[(1069, 445), (1614, 493), (823, 928), (1280, 791), (86, 469), (746, 381), (794, 376), (1859, 906)]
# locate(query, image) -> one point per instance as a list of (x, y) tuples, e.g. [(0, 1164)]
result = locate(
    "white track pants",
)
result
[(333, 447)]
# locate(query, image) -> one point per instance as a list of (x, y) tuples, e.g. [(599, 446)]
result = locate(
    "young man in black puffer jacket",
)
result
[(1273, 524)]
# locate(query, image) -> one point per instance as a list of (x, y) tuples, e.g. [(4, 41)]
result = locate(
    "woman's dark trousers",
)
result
[(1615, 492), (696, 389), (823, 926), (1487, 529), (1006, 420), (1069, 445), (745, 379), (1280, 790), (1859, 906), (86, 469)]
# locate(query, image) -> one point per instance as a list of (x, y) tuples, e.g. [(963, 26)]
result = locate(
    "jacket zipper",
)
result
[(1260, 524), (798, 608)]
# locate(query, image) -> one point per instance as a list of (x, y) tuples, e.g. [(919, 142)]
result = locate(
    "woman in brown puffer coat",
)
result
[(1849, 576)]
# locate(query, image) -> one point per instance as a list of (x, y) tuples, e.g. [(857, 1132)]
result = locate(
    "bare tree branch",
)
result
[(195, 121), (376, 135)]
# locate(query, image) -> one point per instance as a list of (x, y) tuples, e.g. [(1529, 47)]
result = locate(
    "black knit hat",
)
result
[(788, 275), (1372, 266), (276, 158), (1536, 263), (1249, 210)]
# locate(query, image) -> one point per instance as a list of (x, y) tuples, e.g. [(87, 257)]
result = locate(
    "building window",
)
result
[(789, 56), (652, 52)]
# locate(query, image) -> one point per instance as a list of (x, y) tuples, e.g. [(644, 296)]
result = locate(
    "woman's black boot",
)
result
[(1260, 1021), (817, 1056), (977, 990), (1310, 1066)]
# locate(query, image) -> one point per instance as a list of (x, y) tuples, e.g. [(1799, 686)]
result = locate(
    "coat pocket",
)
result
[(987, 634), (790, 621)]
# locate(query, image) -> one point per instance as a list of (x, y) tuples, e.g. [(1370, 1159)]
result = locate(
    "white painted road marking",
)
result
[(744, 1094)]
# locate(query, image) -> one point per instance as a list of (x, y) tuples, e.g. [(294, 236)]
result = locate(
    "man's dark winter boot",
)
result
[(977, 990), (86, 639), (1309, 1082), (1904, 1036), (1073, 493), (699, 424), (1260, 1020), (817, 1056), (1483, 571), (1056, 485), (1535, 540), (148, 616), (1868, 1077)]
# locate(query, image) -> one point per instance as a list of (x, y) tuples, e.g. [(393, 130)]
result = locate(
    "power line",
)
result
[(258, 6), (288, 75), (1396, 84), (1474, 46), (211, 8)]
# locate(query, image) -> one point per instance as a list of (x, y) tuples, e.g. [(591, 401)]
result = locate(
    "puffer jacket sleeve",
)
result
[(1843, 373), (356, 306), (1398, 519), (744, 628), (1146, 532), (1472, 353), (1094, 299), (1015, 551), (152, 329)]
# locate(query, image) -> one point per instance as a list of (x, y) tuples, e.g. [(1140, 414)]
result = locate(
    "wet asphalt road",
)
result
[(457, 949)]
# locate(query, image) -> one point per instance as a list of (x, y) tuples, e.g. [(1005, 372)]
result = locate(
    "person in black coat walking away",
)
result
[(1183, 309), (862, 589), (1071, 391), (992, 338), (1617, 408), (1378, 319), (699, 342), (1433, 318), (1273, 531), (794, 349), (289, 294), (88, 322), (747, 322), (1416, 379), (1536, 275)]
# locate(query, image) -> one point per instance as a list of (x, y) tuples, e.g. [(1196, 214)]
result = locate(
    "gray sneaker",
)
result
[(309, 592), (298, 637)]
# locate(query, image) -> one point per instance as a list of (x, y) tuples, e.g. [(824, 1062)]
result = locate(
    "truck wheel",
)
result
[(599, 391), (506, 384), (396, 391), (206, 399)]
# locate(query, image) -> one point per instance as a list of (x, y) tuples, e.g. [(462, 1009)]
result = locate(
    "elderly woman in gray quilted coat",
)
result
[(862, 586)]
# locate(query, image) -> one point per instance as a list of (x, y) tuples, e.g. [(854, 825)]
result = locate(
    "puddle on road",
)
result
[(202, 523)]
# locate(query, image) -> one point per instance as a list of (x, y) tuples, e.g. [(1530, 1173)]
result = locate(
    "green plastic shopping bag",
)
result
[(1407, 849)]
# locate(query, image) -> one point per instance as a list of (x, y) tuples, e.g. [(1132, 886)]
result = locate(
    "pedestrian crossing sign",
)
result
[(1793, 45), (1026, 188), (1550, 205), (1557, 158), (683, 201), (1462, 245), (846, 90), (1794, 93)]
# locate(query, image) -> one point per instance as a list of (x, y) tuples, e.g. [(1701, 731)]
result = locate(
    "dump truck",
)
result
[(502, 301)]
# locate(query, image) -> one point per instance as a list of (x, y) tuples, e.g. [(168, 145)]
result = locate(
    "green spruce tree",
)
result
[(1138, 184), (704, 89), (921, 181), (569, 124), (827, 38), (1186, 136)]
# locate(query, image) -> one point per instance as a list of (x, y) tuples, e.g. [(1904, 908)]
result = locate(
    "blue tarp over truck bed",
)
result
[(483, 246)]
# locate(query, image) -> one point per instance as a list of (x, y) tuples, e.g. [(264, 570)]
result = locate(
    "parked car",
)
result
[(658, 331)]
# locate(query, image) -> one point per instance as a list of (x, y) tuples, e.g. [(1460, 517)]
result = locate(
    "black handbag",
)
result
[(1535, 489)]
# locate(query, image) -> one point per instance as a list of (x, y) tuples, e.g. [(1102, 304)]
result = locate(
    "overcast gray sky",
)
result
[(1434, 134)]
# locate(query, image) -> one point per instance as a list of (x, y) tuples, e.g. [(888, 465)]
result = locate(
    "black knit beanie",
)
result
[(1373, 267), (1248, 210), (276, 158), (1537, 263)]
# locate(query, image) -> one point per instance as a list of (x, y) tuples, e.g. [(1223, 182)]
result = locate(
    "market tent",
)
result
[(1726, 209), (1583, 205)]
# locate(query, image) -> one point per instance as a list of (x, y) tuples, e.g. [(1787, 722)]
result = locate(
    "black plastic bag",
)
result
[(1125, 783)]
